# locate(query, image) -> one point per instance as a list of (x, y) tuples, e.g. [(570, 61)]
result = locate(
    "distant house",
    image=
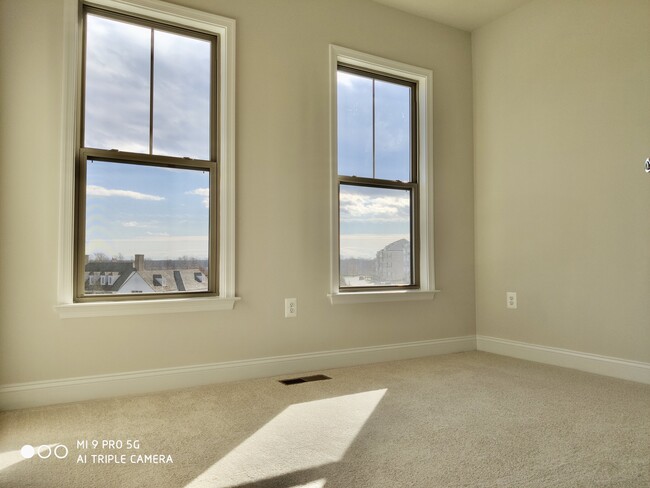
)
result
[(394, 263), (135, 283), (126, 277), (106, 277)]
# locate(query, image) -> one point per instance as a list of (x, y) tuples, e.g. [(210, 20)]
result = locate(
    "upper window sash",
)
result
[(157, 54), (374, 76)]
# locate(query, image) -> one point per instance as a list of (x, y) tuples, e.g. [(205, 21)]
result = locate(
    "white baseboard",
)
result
[(592, 363), (39, 393)]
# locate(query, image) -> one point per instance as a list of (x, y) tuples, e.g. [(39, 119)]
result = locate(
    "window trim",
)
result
[(423, 80), (156, 11)]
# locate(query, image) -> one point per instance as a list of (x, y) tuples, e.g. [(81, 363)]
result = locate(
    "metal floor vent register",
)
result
[(305, 379)]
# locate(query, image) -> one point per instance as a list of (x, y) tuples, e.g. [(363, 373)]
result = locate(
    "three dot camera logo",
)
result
[(44, 451)]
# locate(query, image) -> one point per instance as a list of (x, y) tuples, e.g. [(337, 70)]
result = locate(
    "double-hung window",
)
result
[(153, 158), (381, 235)]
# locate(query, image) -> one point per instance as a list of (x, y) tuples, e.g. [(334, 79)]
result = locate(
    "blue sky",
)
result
[(392, 145), (159, 212)]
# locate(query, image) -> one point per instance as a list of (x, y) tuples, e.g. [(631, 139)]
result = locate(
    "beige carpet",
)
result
[(461, 420)]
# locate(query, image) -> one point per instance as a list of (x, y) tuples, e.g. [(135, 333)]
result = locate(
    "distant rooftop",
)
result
[(160, 275)]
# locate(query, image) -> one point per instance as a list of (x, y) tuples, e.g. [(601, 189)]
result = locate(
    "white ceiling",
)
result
[(463, 14)]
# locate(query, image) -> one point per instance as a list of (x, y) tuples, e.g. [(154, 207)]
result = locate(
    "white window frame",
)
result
[(155, 10), (424, 81)]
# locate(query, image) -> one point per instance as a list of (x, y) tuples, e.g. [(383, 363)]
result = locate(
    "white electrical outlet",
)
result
[(290, 307), (511, 299)]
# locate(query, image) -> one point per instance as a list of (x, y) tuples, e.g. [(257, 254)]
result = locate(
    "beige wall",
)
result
[(282, 177), (562, 127)]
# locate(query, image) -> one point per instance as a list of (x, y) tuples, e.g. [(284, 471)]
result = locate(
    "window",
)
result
[(152, 165), (147, 193), (377, 176), (381, 232)]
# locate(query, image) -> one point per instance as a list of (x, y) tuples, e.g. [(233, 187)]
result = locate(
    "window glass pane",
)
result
[(117, 65), (375, 237), (392, 131), (147, 227), (181, 101), (354, 108)]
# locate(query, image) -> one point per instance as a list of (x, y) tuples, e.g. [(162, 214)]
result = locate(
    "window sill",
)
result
[(381, 296), (144, 307)]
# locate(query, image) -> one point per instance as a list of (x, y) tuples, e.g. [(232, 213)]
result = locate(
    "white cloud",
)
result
[(358, 207), (353, 82), (100, 191), (134, 224), (345, 79), (203, 192)]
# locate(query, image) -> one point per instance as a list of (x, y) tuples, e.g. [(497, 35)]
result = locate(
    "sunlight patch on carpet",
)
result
[(303, 436), (314, 484), (10, 458)]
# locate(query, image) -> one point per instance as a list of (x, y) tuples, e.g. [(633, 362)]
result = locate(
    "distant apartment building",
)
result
[(126, 277), (394, 263)]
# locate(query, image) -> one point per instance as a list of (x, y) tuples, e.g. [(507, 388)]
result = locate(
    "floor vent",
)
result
[(305, 379)]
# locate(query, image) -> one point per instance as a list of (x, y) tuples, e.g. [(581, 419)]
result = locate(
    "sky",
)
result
[(392, 114), (131, 209)]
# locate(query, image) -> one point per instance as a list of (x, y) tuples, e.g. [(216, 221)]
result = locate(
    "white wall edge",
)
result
[(40, 393), (381, 296), (144, 307), (592, 363)]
